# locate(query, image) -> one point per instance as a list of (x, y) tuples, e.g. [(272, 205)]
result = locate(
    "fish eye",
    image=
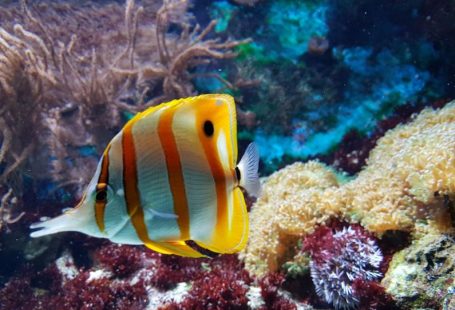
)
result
[(101, 195), (208, 128), (101, 192)]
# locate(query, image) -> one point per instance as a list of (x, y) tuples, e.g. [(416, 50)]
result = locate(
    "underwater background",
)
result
[(349, 101)]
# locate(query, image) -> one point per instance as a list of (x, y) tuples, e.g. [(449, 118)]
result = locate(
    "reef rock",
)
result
[(422, 275)]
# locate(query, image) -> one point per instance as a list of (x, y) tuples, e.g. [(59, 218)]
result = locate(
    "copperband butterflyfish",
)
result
[(170, 176)]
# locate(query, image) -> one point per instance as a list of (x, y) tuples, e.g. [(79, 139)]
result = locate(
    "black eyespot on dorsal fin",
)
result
[(208, 128)]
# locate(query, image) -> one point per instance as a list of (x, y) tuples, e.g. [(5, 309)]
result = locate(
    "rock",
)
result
[(423, 275)]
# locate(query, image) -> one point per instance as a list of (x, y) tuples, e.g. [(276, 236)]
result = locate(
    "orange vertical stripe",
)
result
[(132, 198), (174, 171), (216, 168), (103, 180)]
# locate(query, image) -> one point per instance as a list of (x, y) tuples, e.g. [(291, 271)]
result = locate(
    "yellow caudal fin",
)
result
[(174, 247), (233, 236)]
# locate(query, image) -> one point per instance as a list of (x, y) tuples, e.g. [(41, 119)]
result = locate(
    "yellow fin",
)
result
[(237, 234), (174, 247)]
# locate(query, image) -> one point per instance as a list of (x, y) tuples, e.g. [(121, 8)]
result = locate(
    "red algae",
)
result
[(76, 293), (372, 296), (62, 285), (120, 277), (270, 286), (221, 284), (121, 260), (169, 270), (103, 293)]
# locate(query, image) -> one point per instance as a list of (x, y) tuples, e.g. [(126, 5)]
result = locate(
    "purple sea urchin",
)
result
[(338, 258)]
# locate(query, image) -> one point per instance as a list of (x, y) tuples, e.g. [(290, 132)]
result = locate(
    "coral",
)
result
[(353, 152), (111, 61), (354, 149), (284, 211), (44, 85), (407, 176), (8, 204), (408, 172), (293, 24), (421, 276), (338, 258), (377, 83), (222, 11)]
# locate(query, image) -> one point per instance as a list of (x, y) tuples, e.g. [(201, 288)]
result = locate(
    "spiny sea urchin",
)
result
[(338, 258)]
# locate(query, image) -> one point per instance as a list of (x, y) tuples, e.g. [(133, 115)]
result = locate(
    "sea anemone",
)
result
[(340, 257)]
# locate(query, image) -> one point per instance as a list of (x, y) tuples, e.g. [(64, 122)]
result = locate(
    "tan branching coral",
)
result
[(70, 74), (7, 205), (409, 177)]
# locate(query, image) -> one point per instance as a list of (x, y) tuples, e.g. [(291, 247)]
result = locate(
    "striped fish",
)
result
[(168, 180)]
